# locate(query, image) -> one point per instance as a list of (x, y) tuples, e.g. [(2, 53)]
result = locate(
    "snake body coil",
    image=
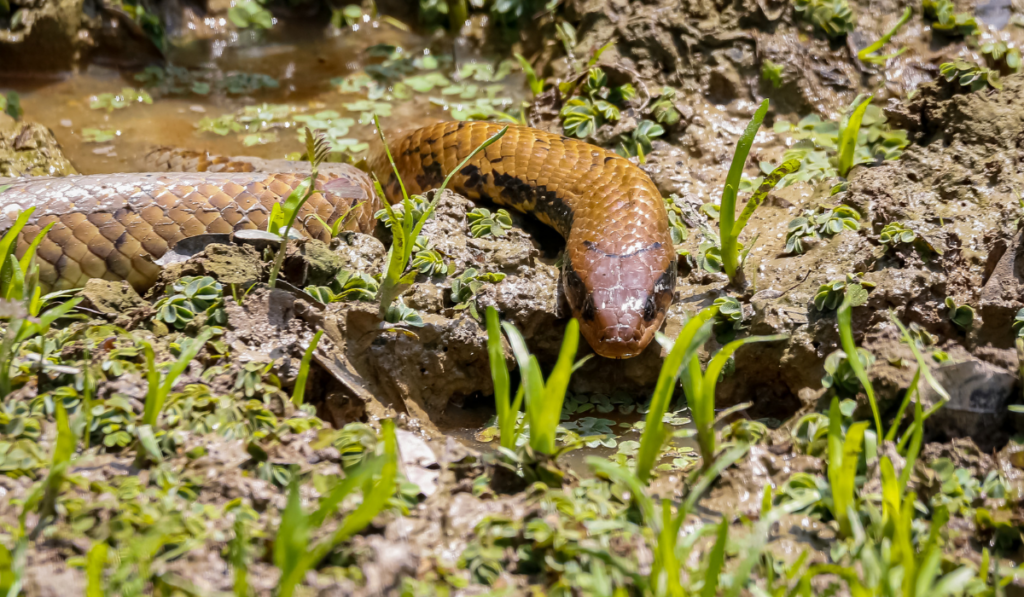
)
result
[(619, 268)]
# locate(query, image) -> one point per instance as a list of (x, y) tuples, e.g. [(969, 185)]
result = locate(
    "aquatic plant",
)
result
[(729, 225), (831, 294), (961, 315), (406, 227), (250, 13), (117, 101), (973, 76), (833, 17), (822, 222), (946, 20), (293, 552), (867, 54), (483, 223)]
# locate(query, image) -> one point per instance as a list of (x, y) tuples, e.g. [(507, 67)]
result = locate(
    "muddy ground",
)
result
[(182, 517)]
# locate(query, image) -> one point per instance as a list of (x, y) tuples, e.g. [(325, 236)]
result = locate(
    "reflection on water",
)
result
[(319, 81)]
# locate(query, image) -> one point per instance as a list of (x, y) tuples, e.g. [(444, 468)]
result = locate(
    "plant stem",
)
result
[(299, 393)]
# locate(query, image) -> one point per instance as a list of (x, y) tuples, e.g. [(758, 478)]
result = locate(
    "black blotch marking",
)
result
[(473, 176), (576, 292), (518, 193), (432, 175), (121, 240), (608, 158), (661, 295)]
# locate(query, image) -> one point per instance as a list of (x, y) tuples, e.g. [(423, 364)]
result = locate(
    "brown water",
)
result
[(302, 60)]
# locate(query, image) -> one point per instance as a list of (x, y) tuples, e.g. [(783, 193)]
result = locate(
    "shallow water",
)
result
[(301, 59)]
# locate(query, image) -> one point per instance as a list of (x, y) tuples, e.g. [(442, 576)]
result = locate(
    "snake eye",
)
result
[(650, 307)]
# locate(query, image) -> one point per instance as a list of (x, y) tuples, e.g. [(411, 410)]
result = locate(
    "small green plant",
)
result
[(729, 225), (466, 286), (676, 226), (293, 553), (830, 295), (283, 216), (967, 74), (112, 101), (1001, 55), (772, 73), (961, 315), (1018, 323), (346, 286), (483, 223), (868, 53), (843, 455), (299, 392), (833, 17), (10, 104), (406, 228), (428, 261), (823, 222), (638, 142), (946, 20), (839, 373), (535, 82), (856, 295), (544, 399), (250, 13), (664, 110), (159, 386), (188, 297), (729, 318), (583, 115), (849, 131), (507, 413)]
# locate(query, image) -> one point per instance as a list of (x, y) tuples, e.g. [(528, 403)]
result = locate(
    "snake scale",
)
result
[(619, 269)]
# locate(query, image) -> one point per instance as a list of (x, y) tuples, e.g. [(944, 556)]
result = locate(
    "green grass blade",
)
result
[(845, 481), (727, 218), (683, 350), (354, 479), (542, 438), (391, 160), (848, 131), (291, 542), (864, 54), (704, 413), (177, 369), (15, 281), (153, 385), (784, 169), (917, 437), (95, 562), (855, 294), (8, 244), (715, 561), (536, 83), (500, 378), (299, 393)]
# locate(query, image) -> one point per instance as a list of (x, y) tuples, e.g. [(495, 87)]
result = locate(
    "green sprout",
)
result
[(159, 386), (729, 225), (946, 20), (822, 222), (508, 413), (967, 74), (849, 131), (839, 372), (406, 229), (772, 73), (664, 110), (729, 318), (833, 17), (867, 54), (293, 552), (299, 393), (830, 295), (483, 223), (843, 455), (188, 297), (1000, 54), (466, 286), (856, 295), (428, 261), (961, 315), (638, 143), (346, 286), (535, 82), (676, 226), (283, 216), (544, 399)]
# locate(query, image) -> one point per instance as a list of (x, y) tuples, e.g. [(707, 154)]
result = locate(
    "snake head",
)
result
[(620, 299)]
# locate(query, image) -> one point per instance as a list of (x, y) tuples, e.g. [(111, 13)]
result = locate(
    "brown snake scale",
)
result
[(619, 267)]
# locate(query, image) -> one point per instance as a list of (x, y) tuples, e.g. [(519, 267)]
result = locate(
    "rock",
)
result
[(228, 264), (311, 262), (29, 149), (110, 298), (978, 394), (360, 252)]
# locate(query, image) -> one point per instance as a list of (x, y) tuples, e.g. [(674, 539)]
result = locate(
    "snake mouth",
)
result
[(620, 341)]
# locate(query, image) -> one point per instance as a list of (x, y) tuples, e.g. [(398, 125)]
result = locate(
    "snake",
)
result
[(618, 269)]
